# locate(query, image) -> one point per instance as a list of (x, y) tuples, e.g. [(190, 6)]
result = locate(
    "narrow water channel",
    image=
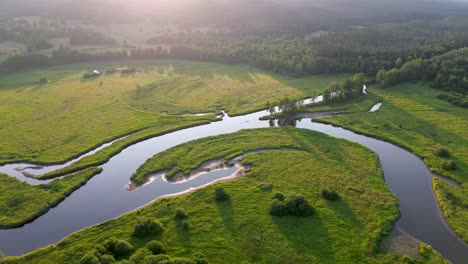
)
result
[(105, 196)]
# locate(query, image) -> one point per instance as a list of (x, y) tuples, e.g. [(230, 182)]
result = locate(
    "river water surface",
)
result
[(105, 196)]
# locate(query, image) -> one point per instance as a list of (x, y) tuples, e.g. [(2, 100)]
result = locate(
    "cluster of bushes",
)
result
[(146, 227), (455, 99), (153, 253), (348, 89), (442, 152), (449, 165), (293, 204), (447, 72)]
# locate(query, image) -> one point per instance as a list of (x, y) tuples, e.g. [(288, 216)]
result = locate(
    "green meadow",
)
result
[(411, 116), (241, 230), (70, 115)]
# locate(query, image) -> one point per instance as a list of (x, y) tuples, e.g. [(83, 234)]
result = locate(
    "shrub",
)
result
[(147, 227), (140, 255), (279, 196), (89, 258), (442, 152), (122, 247), (278, 208), (221, 195), (297, 205), (449, 165), (180, 213), (293, 204), (156, 247), (107, 259), (330, 195)]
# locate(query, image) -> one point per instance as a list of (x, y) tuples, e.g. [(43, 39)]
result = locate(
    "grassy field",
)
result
[(412, 117), (70, 115), (241, 230), (21, 203)]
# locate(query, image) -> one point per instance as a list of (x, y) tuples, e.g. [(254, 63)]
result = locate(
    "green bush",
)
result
[(156, 247), (147, 227), (180, 213), (107, 259), (140, 255), (449, 165), (221, 194), (441, 152), (122, 247), (330, 195), (293, 204), (278, 208), (89, 258)]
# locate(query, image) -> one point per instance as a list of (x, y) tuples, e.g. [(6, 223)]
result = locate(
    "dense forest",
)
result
[(36, 35)]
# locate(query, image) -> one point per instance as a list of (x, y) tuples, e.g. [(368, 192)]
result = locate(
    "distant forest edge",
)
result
[(434, 51)]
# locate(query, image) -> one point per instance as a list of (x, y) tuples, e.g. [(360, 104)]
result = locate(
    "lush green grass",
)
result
[(21, 203), (70, 115), (186, 157), (454, 204), (241, 230), (412, 116)]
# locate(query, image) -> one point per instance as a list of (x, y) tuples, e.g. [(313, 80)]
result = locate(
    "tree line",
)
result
[(447, 72)]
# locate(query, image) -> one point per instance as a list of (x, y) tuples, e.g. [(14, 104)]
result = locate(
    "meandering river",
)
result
[(105, 196)]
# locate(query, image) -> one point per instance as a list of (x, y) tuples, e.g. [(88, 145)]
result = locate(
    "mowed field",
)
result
[(241, 230), (69, 115), (411, 116)]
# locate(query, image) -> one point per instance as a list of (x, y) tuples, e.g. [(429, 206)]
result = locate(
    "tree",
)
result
[(156, 247), (399, 62), (122, 247), (221, 194), (381, 78), (180, 213), (140, 254), (146, 226)]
